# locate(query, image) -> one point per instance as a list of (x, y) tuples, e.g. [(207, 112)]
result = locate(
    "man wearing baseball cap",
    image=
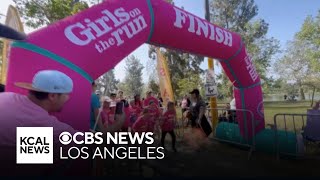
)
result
[(48, 92), (198, 109)]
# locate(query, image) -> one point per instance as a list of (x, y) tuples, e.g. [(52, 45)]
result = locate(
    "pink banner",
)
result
[(190, 33), (92, 42), (249, 100)]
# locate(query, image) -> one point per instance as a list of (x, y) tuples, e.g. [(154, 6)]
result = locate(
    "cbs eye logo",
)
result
[(65, 138)]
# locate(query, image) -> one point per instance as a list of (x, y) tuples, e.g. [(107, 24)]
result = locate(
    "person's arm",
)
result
[(136, 125), (119, 120), (96, 113), (95, 103), (100, 124), (201, 112)]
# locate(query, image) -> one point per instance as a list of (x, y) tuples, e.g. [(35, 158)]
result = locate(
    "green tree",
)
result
[(314, 84), (292, 90), (132, 83), (310, 35), (107, 83), (37, 13), (188, 83), (179, 63), (300, 62), (278, 83), (153, 86), (238, 16), (225, 88), (294, 66)]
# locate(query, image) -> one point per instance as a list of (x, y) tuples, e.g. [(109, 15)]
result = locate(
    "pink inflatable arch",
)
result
[(88, 44)]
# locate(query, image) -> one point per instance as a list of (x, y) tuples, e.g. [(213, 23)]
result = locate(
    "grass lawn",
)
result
[(282, 107), (271, 108)]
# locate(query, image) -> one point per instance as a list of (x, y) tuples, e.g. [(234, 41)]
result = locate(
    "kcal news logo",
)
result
[(34, 145)]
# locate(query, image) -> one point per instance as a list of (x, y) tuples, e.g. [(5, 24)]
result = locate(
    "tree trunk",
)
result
[(302, 93), (105, 92), (313, 91), (231, 91)]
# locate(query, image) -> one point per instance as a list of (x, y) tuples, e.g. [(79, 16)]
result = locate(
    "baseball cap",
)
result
[(195, 91), (49, 81), (9, 33), (106, 99)]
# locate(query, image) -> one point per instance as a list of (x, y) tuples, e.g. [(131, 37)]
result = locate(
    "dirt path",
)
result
[(218, 160)]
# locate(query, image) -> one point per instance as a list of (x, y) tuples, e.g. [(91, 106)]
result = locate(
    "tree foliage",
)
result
[(179, 63), (238, 16), (37, 13), (132, 83), (153, 85), (188, 83), (300, 62), (293, 66), (310, 35), (107, 83)]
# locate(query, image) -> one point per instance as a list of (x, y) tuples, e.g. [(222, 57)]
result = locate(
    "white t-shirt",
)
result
[(233, 104)]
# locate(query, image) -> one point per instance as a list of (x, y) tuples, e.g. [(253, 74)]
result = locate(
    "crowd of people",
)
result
[(49, 91), (229, 114), (147, 114), (139, 115)]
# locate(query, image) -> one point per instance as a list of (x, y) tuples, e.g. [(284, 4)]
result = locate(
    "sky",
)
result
[(285, 18)]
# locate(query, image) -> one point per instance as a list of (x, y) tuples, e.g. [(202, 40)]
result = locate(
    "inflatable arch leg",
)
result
[(88, 44)]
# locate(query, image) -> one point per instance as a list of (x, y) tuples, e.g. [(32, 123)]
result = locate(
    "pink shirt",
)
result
[(155, 114), (105, 117), (136, 110), (147, 101), (168, 121), (143, 124), (111, 118), (154, 111), (17, 110)]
